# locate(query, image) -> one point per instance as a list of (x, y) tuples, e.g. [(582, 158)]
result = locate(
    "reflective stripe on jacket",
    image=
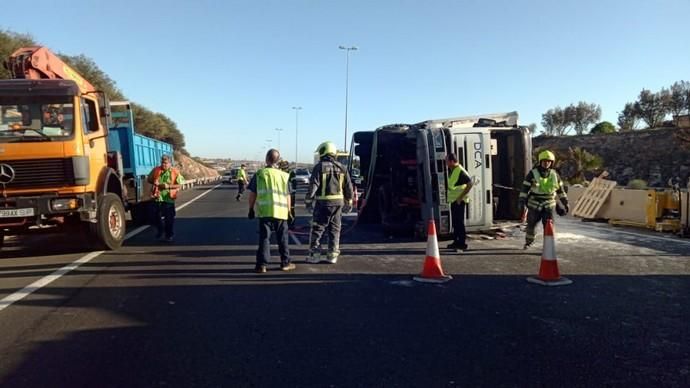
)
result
[(330, 183), (272, 193), (453, 190), (540, 191)]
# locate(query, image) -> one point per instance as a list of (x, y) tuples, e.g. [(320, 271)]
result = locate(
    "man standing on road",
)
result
[(459, 186), (539, 190), (269, 188), (331, 187), (241, 178), (166, 181)]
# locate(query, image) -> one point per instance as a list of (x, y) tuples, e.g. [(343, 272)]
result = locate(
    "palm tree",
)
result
[(583, 162)]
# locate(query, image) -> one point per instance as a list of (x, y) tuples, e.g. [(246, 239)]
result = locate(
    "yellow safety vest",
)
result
[(453, 190), (272, 193)]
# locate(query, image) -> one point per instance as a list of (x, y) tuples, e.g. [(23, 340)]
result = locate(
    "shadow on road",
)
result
[(318, 329)]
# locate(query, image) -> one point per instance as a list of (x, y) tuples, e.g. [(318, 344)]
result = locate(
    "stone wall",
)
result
[(653, 155)]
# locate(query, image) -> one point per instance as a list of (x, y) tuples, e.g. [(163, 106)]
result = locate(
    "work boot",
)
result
[(332, 258), (460, 248), (314, 258), (260, 269), (528, 245), (288, 267), (453, 245)]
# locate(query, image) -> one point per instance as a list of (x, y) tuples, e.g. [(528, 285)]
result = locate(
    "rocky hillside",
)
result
[(192, 169), (653, 155)]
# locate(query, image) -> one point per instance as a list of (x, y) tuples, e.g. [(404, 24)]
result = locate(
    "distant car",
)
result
[(302, 176)]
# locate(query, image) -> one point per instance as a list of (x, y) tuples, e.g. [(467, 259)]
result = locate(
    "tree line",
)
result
[(147, 122), (651, 108)]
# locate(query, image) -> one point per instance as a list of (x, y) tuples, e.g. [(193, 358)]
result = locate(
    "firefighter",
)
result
[(331, 188), (459, 186), (539, 191), (166, 181), (241, 178), (269, 189)]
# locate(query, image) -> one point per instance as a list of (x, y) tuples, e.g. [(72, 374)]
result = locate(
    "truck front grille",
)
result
[(41, 173)]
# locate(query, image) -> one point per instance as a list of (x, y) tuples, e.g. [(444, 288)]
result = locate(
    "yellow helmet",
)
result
[(326, 148), (547, 155)]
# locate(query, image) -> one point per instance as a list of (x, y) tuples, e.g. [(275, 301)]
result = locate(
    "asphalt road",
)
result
[(195, 314)]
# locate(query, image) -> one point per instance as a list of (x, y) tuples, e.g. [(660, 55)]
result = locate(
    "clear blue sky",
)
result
[(228, 72)]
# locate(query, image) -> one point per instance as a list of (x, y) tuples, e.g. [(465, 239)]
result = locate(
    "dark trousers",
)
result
[(533, 218), (240, 189), (326, 218), (266, 226), (164, 221), (457, 211), (292, 209)]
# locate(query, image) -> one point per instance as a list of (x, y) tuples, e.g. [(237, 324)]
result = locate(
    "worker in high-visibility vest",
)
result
[(459, 186), (166, 180), (241, 179), (269, 190), (539, 191), (330, 188)]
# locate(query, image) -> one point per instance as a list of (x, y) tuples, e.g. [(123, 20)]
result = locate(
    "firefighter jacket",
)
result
[(330, 183), (540, 189)]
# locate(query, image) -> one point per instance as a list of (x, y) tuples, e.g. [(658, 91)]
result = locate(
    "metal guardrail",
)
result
[(199, 181)]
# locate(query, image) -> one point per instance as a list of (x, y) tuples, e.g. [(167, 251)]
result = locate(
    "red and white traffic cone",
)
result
[(548, 270), (432, 271)]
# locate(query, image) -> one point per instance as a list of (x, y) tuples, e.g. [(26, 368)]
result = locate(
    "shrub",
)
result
[(637, 184)]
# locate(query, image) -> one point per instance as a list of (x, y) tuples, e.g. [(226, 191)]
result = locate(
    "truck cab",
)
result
[(61, 165), (405, 176)]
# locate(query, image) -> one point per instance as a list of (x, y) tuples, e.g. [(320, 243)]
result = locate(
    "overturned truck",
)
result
[(404, 174)]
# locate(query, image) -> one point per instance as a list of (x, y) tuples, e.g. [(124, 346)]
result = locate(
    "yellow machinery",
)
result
[(663, 210)]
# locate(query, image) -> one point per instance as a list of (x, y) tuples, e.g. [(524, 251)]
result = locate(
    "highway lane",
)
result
[(195, 314)]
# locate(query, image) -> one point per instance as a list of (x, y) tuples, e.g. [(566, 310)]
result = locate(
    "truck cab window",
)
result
[(89, 115)]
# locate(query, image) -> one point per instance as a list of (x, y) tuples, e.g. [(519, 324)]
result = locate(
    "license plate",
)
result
[(11, 213)]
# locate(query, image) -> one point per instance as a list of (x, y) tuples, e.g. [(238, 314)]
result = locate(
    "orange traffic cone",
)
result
[(548, 270), (432, 271)]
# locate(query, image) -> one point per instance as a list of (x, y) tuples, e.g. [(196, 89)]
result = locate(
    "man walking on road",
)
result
[(269, 189), (459, 186), (331, 187), (241, 178), (166, 181), (539, 191)]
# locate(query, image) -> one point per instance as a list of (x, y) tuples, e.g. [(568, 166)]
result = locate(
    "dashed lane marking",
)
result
[(44, 281)]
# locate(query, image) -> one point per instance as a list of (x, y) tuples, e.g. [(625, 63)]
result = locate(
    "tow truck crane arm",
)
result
[(37, 62)]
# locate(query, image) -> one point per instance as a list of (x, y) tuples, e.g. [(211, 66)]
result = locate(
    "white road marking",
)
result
[(646, 236), (44, 281), (295, 239)]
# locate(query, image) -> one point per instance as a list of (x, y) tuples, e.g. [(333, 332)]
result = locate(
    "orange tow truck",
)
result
[(57, 170)]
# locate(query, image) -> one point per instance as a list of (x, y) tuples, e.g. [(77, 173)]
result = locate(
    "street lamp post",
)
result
[(297, 109), (347, 82), (279, 130)]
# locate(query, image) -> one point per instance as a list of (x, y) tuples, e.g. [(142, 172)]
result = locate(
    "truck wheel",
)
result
[(110, 228)]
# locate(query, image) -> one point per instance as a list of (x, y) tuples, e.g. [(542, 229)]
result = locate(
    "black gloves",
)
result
[(251, 214)]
